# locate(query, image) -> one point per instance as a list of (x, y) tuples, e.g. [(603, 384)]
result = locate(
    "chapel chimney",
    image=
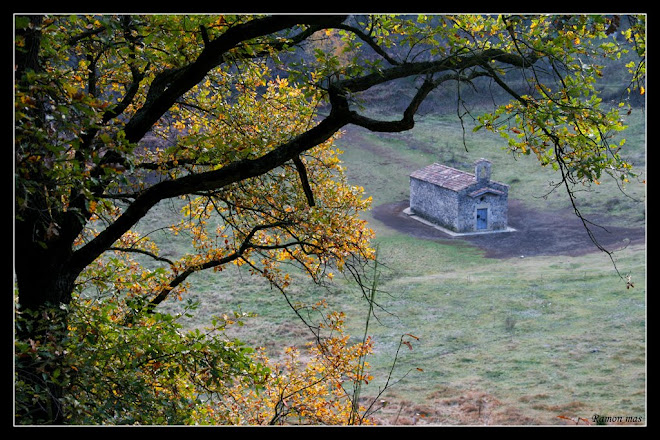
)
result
[(482, 170)]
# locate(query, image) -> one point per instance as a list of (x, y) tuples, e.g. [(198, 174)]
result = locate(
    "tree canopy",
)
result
[(236, 117)]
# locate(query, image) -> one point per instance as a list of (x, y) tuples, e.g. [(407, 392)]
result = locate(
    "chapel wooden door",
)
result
[(482, 218)]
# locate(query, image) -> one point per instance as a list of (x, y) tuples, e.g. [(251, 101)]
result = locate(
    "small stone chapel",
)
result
[(459, 201)]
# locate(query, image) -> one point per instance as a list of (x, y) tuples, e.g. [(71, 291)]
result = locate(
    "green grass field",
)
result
[(501, 341)]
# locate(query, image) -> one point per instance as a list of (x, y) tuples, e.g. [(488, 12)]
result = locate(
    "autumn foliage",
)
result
[(115, 371), (232, 119)]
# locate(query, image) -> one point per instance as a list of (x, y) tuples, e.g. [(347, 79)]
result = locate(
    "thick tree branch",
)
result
[(370, 42), (300, 166), (210, 180), (171, 85), (129, 96), (454, 63), (407, 121)]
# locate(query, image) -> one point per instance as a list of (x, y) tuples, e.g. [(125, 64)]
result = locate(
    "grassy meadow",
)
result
[(501, 341)]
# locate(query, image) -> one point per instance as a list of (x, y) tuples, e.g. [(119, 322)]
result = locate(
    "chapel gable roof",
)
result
[(445, 176), (450, 178)]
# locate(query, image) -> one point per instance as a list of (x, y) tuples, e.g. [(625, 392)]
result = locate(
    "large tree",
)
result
[(236, 115)]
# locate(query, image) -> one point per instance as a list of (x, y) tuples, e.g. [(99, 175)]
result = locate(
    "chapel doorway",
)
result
[(482, 218)]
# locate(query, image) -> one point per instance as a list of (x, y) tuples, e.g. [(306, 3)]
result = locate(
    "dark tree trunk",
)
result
[(44, 284), (40, 269)]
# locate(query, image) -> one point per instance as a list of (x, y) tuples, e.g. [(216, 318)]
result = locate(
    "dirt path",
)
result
[(537, 232)]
